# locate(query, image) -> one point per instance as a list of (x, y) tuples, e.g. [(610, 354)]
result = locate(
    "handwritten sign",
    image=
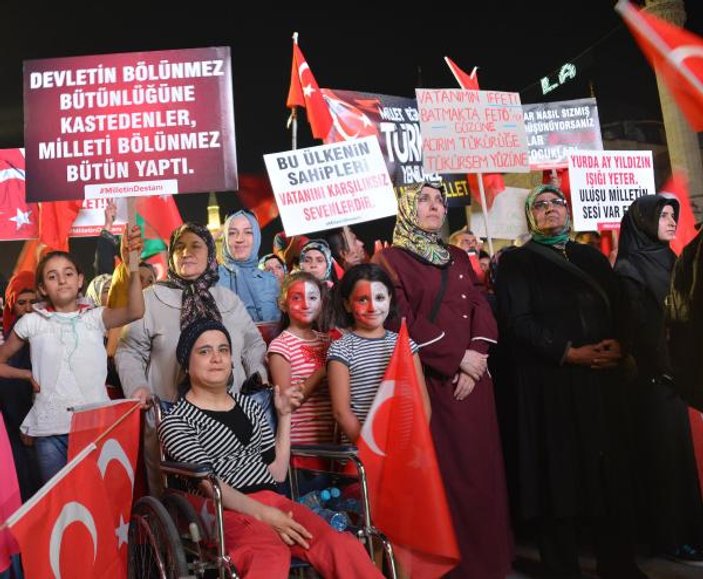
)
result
[(472, 131), (605, 183), (556, 129), (331, 185), (122, 125)]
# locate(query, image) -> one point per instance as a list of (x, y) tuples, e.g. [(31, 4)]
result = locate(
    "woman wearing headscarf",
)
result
[(451, 321), (98, 289), (557, 301), (316, 258), (146, 354), (239, 269), (669, 494), (16, 396)]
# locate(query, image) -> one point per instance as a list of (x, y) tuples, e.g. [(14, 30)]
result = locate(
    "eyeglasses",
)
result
[(543, 204)]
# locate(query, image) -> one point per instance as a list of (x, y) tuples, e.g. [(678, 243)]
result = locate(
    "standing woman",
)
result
[(239, 271), (453, 325), (669, 497), (556, 304)]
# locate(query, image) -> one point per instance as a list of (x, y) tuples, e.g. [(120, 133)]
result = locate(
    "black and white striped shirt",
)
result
[(190, 434)]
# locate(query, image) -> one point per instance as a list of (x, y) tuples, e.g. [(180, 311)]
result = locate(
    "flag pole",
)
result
[(293, 118), (484, 210)]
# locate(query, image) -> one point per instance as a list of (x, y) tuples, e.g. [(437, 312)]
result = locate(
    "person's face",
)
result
[(104, 292), (369, 304), (303, 303), (240, 237), (190, 256), (146, 277), (276, 268), (356, 253), (61, 282), (23, 303), (550, 219), (483, 263), (430, 209), (315, 263), (667, 224), (210, 362), (467, 242)]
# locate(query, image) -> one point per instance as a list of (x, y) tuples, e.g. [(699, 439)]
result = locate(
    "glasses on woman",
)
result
[(543, 204)]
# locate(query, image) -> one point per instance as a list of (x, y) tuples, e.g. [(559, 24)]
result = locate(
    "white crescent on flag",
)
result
[(72, 512), (385, 392), (112, 450)]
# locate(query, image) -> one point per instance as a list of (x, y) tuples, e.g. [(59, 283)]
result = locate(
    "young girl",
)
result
[(297, 357), (357, 361), (69, 362)]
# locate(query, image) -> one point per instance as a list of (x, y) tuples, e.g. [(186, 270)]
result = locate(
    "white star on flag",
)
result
[(22, 218), (122, 532), (308, 90)]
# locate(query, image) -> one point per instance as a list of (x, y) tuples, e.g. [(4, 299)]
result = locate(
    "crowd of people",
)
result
[(545, 374)]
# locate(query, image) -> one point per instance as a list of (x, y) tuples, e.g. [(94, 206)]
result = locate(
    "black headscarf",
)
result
[(197, 302), (641, 255)]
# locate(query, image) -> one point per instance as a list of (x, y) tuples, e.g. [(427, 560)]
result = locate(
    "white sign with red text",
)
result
[(331, 185), (605, 183), (472, 131)]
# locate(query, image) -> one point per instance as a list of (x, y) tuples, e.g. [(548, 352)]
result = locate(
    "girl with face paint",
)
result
[(297, 358), (357, 361)]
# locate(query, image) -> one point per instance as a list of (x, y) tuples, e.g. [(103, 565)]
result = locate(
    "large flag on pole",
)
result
[(675, 54), (305, 92), (406, 491), (77, 524)]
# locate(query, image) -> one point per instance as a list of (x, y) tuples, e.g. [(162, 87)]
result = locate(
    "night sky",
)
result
[(390, 52)]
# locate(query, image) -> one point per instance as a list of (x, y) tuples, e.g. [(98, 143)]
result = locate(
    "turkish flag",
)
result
[(18, 219), (466, 81), (677, 186), (675, 54), (67, 529), (304, 92), (406, 492), (118, 422), (10, 499)]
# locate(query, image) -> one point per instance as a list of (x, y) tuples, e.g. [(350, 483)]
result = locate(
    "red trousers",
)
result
[(258, 551)]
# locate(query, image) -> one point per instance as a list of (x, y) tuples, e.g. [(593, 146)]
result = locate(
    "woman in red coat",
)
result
[(451, 321)]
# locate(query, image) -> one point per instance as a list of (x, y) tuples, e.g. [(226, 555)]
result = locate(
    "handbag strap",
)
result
[(440, 294)]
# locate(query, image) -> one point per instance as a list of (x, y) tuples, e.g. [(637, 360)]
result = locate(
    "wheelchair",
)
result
[(171, 538)]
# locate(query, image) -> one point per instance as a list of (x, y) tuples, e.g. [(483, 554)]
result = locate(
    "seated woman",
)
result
[(209, 425)]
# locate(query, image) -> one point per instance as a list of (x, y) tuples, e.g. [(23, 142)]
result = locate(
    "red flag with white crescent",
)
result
[(18, 219), (405, 485), (67, 528), (305, 92), (675, 54)]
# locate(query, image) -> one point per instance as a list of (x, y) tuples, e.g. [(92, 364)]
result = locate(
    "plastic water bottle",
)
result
[(312, 500), (339, 521), (318, 499), (348, 504)]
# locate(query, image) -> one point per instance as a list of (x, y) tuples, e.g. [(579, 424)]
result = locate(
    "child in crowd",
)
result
[(297, 357), (69, 362), (357, 361)]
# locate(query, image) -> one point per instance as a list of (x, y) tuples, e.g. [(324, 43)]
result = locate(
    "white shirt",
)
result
[(69, 362)]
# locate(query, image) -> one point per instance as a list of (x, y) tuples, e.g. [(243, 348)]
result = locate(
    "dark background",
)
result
[(348, 46)]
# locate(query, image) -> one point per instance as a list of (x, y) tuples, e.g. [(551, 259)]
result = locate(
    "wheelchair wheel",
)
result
[(155, 550), (188, 524)]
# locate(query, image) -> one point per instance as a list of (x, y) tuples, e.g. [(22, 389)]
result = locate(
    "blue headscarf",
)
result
[(252, 261)]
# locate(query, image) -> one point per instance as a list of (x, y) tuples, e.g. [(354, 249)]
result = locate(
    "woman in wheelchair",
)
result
[(228, 432)]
